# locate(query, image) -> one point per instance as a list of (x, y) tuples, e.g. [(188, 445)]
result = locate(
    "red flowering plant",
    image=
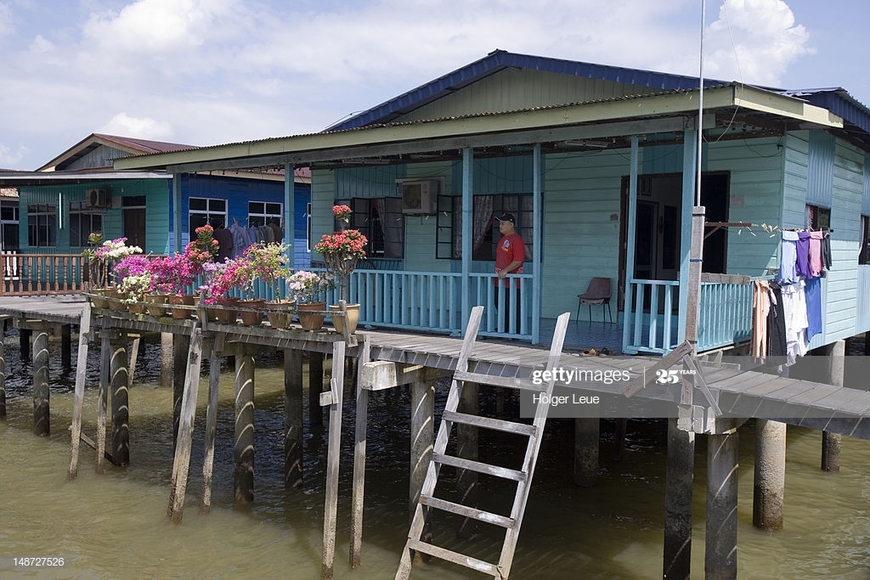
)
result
[(341, 250)]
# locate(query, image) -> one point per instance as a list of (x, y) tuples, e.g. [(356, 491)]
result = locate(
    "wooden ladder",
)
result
[(522, 477)]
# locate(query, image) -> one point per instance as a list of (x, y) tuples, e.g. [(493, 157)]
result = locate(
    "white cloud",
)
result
[(754, 41), (10, 158), (6, 26), (141, 127)]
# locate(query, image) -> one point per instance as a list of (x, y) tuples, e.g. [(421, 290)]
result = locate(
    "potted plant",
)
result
[(269, 264), (134, 280), (308, 289), (341, 251), (100, 258), (215, 293)]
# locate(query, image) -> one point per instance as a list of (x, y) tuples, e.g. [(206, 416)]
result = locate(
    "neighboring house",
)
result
[(78, 192), (8, 219), (598, 165)]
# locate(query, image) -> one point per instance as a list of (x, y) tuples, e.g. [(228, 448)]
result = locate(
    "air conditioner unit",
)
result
[(420, 196), (97, 198)]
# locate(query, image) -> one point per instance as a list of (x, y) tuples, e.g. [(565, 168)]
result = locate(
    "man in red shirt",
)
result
[(509, 256)]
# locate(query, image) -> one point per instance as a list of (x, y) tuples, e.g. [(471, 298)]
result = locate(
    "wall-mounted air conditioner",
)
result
[(97, 198), (420, 196)]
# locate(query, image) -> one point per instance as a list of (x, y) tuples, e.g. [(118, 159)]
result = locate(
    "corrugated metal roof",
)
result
[(838, 101), (501, 59)]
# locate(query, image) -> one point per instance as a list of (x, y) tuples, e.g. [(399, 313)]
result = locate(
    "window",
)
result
[(261, 213), (206, 211), (864, 253), (82, 222), (484, 231), (9, 224), (817, 218), (381, 221), (41, 225)]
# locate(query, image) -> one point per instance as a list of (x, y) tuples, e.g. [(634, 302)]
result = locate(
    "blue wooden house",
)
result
[(598, 164), (79, 192)]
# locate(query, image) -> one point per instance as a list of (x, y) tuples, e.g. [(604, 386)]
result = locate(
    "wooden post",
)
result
[(79, 397), (180, 348), (720, 556), (66, 345), (293, 418), (422, 435), (181, 464), (359, 458), (134, 357), (2, 377), (586, 437), (243, 452), (836, 354), (166, 351), (105, 377), (334, 398), (41, 391), (120, 402), (679, 480), (467, 440), (214, 379), (769, 477), (315, 386)]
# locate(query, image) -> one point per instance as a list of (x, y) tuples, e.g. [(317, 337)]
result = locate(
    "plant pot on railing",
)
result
[(223, 310), (351, 317), (311, 314), (98, 297), (186, 302), (116, 299), (136, 307), (251, 311), (280, 313), (154, 304)]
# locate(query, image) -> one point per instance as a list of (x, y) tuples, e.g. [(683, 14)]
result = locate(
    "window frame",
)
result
[(78, 236), (450, 220), (378, 230), (213, 217), (45, 217), (255, 217)]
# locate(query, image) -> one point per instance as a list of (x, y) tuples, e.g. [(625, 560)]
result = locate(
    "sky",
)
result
[(205, 72)]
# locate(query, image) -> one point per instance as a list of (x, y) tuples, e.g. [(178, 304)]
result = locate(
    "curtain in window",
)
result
[(393, 232), (481, 222)]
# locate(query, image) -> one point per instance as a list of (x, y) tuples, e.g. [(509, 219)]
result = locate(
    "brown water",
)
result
[(114, 525)]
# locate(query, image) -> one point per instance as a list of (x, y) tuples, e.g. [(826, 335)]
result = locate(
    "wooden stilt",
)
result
[(769, 476), (120, 402), (586, 437), (24, 343), (315, 386), (41, 391), (105, 377), (359, 459), (180, 348), (467, 441), (181, 464), (619, 439), (79, 397), (2, 377), (166, 351), (831, 441), (134, 357), (679, 481), (214, 379), (334, 398), (293, 419), (720, 556), (243, 452)]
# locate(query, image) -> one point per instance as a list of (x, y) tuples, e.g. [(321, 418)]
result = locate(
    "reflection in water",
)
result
[(114, 525)]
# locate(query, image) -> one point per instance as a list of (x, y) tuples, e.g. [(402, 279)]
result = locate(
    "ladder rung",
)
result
[(497, 381), (479, 467), (469, 512), (489, 423), (455, 557)]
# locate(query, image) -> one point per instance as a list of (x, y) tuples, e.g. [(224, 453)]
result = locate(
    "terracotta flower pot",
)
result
[(223, 311), (253, 316), (154, 302), (280, 313), (181, 313), (98, 298), (310, 321)]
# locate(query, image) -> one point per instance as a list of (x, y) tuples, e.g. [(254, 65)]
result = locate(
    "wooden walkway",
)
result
[(741, 394)]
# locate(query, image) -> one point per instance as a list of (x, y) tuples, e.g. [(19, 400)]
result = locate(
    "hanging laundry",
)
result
[(788, 258), (814, 307), (795, 310), (802, 264), (776, 333), (826, 251), (760, 309), (815, 255)]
